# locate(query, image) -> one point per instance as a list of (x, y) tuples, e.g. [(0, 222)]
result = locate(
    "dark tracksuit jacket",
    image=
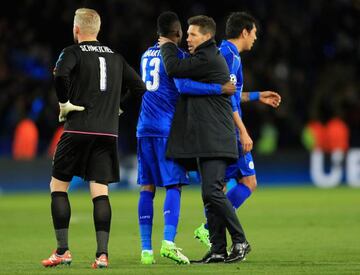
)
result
[(203, 126)]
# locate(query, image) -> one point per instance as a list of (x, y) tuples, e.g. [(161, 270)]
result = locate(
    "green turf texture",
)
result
[(292, 230)]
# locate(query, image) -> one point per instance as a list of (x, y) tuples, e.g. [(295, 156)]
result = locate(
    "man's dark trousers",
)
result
[(219, 211)]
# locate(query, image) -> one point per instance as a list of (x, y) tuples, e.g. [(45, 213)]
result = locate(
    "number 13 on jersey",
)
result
[(150, 73)]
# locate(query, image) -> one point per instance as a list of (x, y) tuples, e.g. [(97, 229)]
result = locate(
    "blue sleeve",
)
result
[(233, 104), (190, 87), (228, 58)]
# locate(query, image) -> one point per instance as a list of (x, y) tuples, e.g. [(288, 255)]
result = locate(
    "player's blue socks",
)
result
[(238, 194), (171, 213), (145, 214)]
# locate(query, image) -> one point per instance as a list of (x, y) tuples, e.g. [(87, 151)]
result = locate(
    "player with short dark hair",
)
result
[(88, 78), (156, 115)]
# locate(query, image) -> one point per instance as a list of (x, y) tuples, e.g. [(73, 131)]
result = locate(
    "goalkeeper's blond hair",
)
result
[(88, 20)]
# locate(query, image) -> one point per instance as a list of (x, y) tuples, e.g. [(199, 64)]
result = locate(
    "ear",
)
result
[(245, 33), (76, 29)]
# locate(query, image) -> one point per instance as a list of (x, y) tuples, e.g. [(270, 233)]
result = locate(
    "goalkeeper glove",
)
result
[(66, 108)]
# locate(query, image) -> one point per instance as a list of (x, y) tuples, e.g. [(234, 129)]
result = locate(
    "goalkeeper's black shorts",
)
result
[(91, 157)]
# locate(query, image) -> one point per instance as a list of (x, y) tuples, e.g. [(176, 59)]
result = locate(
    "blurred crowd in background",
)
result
[(307, 51)]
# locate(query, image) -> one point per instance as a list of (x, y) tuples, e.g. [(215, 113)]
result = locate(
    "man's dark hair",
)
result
[(165, 23), (206, 24), (237, 22)]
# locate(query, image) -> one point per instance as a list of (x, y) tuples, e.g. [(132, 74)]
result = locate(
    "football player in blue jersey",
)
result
[(156, 115), (241, 35)]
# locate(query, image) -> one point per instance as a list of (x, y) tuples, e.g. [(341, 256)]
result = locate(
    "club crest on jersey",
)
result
[(233, 79)]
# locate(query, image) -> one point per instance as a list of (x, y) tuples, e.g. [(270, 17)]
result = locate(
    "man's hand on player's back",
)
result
[(228, 88), (162, 40)]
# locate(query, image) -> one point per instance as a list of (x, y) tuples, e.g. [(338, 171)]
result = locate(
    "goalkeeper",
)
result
[(89, 78)]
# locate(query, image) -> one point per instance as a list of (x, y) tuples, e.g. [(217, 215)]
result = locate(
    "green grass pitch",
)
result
[(293, 230)]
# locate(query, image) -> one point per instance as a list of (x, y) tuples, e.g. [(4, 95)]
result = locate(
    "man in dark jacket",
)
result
[(203, 132)]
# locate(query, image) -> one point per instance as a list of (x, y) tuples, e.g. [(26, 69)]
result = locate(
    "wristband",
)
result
[(253, 96)]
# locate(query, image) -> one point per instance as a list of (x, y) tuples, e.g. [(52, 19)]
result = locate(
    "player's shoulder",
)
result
[(105, 49), (153, 51), (69, 51), (226, 47), (71, 48), (225, 51), (108, 49)]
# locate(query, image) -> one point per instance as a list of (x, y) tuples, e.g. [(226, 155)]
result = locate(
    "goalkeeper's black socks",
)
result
[(102, 220), (61, 212)]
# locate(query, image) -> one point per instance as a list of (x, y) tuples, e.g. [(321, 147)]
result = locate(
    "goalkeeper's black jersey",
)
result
[(92, 75)]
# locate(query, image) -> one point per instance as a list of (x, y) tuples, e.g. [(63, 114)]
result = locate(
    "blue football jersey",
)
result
[(233, 60), (159, 101)]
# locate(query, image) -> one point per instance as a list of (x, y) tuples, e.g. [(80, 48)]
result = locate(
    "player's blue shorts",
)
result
[(243, 167), (154, 167)]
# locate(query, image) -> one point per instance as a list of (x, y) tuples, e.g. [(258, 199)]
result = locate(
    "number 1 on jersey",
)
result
[(102, 64)]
